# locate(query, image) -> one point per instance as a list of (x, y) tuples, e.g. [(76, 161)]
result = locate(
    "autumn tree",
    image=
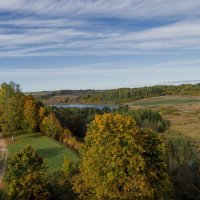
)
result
[(115, 162), (71, 141), (51, 127), (42, 113), (67, 167), (30, 113), (26, 176)]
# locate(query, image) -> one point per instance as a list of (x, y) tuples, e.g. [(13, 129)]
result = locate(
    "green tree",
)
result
[(26, 176), (155, 159), (184, 166), (115, 162), (11, 106)]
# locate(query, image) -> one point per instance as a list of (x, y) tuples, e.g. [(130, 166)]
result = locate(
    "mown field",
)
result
[(50, 150), (182, 111)]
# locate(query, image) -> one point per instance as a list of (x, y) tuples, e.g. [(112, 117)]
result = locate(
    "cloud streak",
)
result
[(73, 28), (114, 8)]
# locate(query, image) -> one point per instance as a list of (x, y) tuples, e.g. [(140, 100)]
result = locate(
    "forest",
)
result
[(124, 153), (133, 94)]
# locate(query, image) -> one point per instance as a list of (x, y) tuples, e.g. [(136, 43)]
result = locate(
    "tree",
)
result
[(115, 162), (184, 166), (51, 126), (11, 107), (67, 167), (155, 159), (26, 176), (71, 141), (30, 113), (151, 119), (42, 112)]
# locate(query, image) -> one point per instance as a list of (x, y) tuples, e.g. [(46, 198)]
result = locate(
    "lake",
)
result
[(84, 106)]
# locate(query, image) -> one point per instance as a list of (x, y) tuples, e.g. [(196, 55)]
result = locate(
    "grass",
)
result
[(183, 112), (166, 100), (50, 150)]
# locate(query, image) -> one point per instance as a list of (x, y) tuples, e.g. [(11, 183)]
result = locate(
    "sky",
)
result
[(98, 44)]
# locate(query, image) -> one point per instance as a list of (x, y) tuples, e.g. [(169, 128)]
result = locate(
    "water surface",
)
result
[(84, 106)]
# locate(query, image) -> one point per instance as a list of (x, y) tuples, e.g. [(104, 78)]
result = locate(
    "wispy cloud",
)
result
[(115, 8), (71, 28)]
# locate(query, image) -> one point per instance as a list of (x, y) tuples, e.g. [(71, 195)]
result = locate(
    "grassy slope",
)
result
[(182, 111), (166, 100), (50, 150)]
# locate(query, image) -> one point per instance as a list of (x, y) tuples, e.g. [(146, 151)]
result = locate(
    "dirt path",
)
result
[(3, 157)]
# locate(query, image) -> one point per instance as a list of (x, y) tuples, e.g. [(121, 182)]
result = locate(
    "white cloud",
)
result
[(52, 27), (115, 8), (178, 37)]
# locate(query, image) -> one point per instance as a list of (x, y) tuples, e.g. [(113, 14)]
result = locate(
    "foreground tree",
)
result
[(116, 159), (26, 176)]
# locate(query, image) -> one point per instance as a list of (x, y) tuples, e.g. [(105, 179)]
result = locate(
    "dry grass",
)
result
[(184, 114), (166, 100)]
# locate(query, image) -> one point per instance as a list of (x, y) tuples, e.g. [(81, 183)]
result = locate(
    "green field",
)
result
[(166, 100), (50, 150)]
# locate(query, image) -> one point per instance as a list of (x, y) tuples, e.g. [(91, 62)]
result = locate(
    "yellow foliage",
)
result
[(51, 126), (30, 113), (114, 163), (70, 140)]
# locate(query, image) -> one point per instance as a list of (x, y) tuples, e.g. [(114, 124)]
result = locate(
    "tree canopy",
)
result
[(26, 176), (116, 161), (10, 107)]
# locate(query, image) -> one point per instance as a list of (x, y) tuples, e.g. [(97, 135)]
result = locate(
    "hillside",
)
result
[(116, 96), (183, 112), (62, 96)]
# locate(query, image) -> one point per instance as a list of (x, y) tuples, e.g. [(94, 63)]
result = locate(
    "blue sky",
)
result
[(98, 44)]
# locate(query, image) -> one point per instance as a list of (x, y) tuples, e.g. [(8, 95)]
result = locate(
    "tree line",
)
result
[(66, 125), (24, 112), (132, 94)]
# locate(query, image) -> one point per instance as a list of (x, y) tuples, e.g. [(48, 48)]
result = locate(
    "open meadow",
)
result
[(53, 152), (183, 112)]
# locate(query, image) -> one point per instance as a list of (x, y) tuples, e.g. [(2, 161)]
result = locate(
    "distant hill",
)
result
[(62, 96), (116, 95)]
